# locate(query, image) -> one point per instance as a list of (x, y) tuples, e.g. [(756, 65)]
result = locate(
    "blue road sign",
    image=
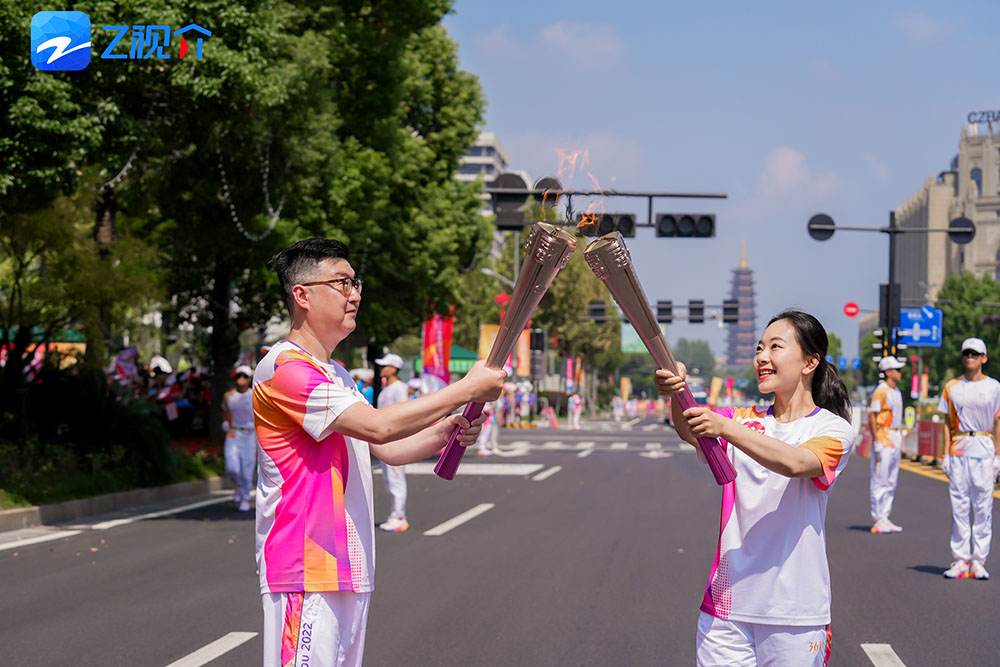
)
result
[(855, 363), (842, 363), (920, 327)]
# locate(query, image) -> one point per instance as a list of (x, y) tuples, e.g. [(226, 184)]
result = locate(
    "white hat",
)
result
[(975, 344), (413, 383), (393, 360), (244, 370), (890, 364), (158, 363)]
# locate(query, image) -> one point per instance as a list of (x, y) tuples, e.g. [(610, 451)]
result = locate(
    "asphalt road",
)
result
[(594, 554)]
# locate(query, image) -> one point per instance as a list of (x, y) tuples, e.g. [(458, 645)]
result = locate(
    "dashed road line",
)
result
[(464, 517), (475, 468), (882, 655), (547, 473), (585, 453), (210, 652), (619, 445)]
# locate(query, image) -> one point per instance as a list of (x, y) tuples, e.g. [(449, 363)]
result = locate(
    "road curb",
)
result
[(27, 517)]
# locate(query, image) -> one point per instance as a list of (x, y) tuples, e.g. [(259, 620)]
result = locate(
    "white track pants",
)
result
[(394, 478), (970, 484), (315, 629), (240, 454), (487, 436), (884, 474)]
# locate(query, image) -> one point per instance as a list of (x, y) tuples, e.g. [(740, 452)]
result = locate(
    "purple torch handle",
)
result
[(714, 452), (447, 465)]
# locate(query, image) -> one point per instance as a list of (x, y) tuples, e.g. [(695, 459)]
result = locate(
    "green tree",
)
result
[(697, 357), (962, 318)]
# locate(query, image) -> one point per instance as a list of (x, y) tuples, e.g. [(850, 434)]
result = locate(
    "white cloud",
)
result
[(919, 28), (562, 48), (786, 175)]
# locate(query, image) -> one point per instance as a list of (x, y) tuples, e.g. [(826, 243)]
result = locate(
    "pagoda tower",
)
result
[(742, 334)]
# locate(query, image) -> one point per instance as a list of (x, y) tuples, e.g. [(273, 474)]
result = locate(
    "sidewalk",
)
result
[(41, 515)]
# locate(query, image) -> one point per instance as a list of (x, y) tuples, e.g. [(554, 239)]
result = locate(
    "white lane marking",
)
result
[(619, 445), (585, 453), (41, 538), (210, 652), (882, 655), (443, 528), (686, 447), (650, 427), (653, 445), (514, 469), (554, 444), (546, 474), (589, 444), (104, 525), (517, 448), (632, 422)]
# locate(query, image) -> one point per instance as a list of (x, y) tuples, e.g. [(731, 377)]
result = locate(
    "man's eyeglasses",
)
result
[(344, 285), (970, 353)]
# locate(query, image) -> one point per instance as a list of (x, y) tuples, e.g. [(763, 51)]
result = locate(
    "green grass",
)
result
[(60, 476)]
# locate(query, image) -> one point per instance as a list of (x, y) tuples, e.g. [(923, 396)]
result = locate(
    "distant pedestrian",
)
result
[(575, 407), (316, 433), (885, 422), (488, 436), (618, 407), (767, 601), (240, 450), (393, 477), (972, 403)]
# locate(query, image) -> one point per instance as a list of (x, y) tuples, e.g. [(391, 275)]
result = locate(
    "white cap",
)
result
[(890, 364), (393, 360), (245, 370), (158, 363), (975, 344), (413, 383)]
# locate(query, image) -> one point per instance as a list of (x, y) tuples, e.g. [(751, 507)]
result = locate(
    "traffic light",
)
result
[(537, 345), (731, 311), (883, 305), (597, 311), (509, 206), (696, 311), (694, 225), (665, 312), (599, 224)]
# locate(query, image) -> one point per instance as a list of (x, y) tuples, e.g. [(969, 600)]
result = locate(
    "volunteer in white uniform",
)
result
[(972, 403), (394, 477), (240, 450), (885, 421)]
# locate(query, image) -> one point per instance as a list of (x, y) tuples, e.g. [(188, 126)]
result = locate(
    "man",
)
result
[(315, 529), (393, 477), (972, 403), (885, 421)]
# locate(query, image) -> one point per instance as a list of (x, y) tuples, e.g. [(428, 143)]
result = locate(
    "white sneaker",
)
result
[(893, 527), (245, 506), (978, 571), (237, 497), (394, 525), (958, 570), (882, 527)]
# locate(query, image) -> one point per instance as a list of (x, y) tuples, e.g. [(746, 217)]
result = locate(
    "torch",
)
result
[(609, 258), (548, 250)]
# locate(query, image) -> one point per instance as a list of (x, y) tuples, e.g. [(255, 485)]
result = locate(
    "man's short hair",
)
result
[(297, 263)]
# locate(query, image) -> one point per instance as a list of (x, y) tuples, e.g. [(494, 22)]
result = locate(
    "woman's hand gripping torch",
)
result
[(548, 250), (609, 258)]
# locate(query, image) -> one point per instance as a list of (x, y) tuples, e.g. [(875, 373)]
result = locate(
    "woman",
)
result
[(768, 594)]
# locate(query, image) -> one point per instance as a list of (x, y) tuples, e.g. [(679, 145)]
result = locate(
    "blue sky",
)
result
[(790, 108)]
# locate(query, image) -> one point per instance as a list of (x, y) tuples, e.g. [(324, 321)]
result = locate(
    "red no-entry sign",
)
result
[(850, 309)]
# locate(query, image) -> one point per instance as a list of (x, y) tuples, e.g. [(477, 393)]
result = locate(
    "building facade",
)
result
[(741, 337), (487, 158), (969, 188)]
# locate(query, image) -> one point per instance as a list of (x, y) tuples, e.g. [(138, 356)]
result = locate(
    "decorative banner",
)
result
[(569, 374), (626, 387), (437, 347), (524, 354), (487, 334), (729, 388), (923, 385), (713, 394), (915, 386)]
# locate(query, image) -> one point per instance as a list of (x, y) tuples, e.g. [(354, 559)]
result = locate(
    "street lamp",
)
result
[(494, 274)]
